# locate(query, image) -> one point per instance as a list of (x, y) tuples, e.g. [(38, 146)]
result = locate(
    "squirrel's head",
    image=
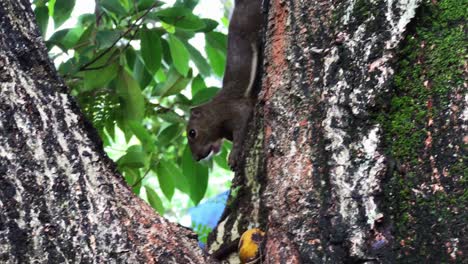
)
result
[(203, 133)]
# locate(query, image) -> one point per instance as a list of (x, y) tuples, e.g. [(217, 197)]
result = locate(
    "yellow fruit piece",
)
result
[(250, 246)]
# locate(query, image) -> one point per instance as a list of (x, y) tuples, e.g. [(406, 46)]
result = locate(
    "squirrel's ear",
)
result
[(195, 112)]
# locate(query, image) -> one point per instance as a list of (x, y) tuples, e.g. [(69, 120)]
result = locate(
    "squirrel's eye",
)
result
[(192, 133)]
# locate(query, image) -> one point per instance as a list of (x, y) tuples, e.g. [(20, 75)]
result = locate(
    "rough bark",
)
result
[(325, 172), (61, 199), (357, 150)]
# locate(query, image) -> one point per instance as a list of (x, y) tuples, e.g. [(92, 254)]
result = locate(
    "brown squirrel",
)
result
[(227, 114)]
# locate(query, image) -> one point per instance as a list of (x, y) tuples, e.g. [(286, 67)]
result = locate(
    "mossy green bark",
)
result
[(427, 197)]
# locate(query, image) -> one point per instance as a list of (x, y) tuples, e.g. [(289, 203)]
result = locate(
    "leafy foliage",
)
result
[(203, 231), (130, 66)]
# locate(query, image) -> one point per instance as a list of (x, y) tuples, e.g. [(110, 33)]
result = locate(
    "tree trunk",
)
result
[(357, 150), (61, 199)]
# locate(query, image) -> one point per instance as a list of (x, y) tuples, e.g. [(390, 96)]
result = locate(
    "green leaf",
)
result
[(85, 45), (179, 54), (201, 63), (136, 189), (190, 4), (132, 100), (110, 128), (68, 67), (225, 21), (132, 176), (127, 4), (62, 11), (134, 158), (183, 102), (216, 46), (151, 49), (174, 83), (217, 40), (168, 28), (86, 20), (179, 85), (221, 159), (103, 74), (166, 52), (166, 178), (181, 17), (122, 123), (66, 38), (217, 59), (168, 134), (198, 84), (204, 95), (106, 38), (51, 6), (196, 175), (180, 181), (39, 3), (113, 6), (184, 35), (42, 18), (131, 57), (210, 24), (160, 76), (141, 72), (154, 200), (143, 135), (171, 117), (100, 78), (145, 4)]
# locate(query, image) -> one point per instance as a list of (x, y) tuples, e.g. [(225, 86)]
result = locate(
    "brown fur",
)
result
[(226, 116)]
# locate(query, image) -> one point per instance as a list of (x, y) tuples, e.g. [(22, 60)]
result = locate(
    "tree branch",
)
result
[(85, 66)]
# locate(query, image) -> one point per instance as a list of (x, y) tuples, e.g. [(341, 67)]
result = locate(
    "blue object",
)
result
[(207, 214)]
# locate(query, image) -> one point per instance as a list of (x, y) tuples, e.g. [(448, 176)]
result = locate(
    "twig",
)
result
[(146, 173), (84, 67), (108, 62)]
